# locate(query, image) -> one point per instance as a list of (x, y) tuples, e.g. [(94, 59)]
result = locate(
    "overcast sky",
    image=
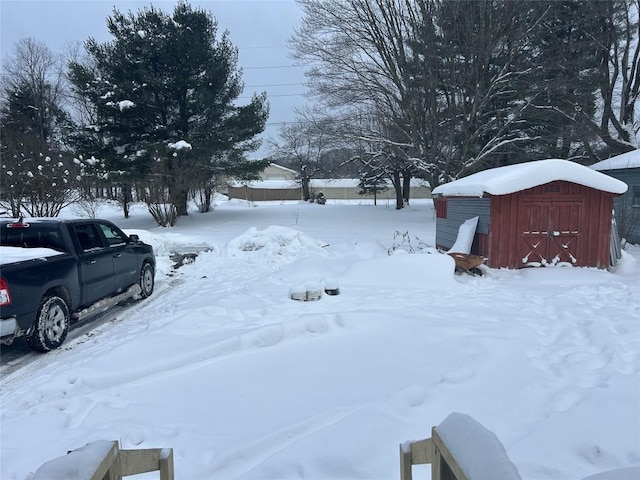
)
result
[(259, 28)]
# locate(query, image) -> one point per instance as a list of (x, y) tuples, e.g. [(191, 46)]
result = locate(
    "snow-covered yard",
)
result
[(243, 382)]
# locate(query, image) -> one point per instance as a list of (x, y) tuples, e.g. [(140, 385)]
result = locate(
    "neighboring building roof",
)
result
[(275, 165), (334, 183), (626, 160), (514, 178), (266, 184)]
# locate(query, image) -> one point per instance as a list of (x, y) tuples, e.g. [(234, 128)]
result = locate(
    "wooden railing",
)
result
[(450, 462), (429, 451), (105, 461)]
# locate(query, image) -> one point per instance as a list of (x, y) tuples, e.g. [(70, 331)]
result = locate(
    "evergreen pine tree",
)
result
[(162, 80)]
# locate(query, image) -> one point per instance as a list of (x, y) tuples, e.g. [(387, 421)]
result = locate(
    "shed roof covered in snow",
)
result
[(626, 160), (514, 178)]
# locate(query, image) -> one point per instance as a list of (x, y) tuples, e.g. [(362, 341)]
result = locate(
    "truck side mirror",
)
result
[(134, 238)]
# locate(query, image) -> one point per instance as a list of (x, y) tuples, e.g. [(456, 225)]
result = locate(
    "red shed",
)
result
[(548, 212)]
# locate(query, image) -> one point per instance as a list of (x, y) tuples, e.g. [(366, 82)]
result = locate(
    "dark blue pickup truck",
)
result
[(55, 271)]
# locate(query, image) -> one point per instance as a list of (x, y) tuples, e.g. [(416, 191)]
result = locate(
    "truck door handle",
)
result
[(117, 255), (90, 262)]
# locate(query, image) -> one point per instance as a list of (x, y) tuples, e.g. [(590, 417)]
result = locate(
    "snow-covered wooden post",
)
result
[(135, 462), (103, 460), (460, 448), (421, 452)]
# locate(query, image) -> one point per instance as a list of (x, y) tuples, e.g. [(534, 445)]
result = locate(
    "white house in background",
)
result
[(276, 183), (278, 172)]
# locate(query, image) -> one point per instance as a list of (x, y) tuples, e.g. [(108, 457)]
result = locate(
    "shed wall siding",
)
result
[(627, 215), (458, 210), (585, 209), (602, 210), (502, 242)]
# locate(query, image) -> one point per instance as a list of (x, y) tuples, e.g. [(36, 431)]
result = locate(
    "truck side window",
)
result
[(113, 235), (88, 237), (53, 240), (34, 236)]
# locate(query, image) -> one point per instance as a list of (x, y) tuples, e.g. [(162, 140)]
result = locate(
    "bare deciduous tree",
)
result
[(305, 143), (438, 75), (618, 54), (37, 173), (37, 74)]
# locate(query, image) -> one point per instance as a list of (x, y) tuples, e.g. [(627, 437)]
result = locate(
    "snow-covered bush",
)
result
[(37, 184)]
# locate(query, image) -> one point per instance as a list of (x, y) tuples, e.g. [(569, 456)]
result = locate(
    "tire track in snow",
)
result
[(230, 342), (79, 334), (169, 302)]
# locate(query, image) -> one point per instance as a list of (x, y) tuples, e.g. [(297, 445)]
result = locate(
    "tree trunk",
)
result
[(397, 185), (305, 189), (181, 206), (126, 199), (208, 193), (179, 200), (406, 187)]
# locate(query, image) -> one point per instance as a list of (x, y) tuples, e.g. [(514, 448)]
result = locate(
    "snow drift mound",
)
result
[(628, 264), (410, 271), (167, 243), (272, 241)]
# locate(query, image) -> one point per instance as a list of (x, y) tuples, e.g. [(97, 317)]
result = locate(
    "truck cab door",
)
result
[(126, 265), (95, 263)]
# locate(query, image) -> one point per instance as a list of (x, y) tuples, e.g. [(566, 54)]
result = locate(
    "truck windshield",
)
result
[(32, 236)]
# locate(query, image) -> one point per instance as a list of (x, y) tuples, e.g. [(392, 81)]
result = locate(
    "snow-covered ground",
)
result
[(243, 382)]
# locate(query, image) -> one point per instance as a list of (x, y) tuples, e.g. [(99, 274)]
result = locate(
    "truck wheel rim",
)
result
[(55, 323), (147, 280)]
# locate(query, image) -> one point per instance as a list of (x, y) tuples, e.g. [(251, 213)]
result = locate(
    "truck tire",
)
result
[(52, 325), (146, 280)]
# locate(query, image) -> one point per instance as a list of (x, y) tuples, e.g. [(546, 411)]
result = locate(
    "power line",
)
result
[(287, 95), (277, 95), (285, 122), (261, 46), (274, 85), (303, 121), (275, 66)]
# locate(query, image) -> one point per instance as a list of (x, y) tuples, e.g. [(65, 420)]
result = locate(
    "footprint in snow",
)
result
[(457, 376)]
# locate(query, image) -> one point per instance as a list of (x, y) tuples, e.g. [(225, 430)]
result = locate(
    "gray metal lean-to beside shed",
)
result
[(625, 167), (542, 213)]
